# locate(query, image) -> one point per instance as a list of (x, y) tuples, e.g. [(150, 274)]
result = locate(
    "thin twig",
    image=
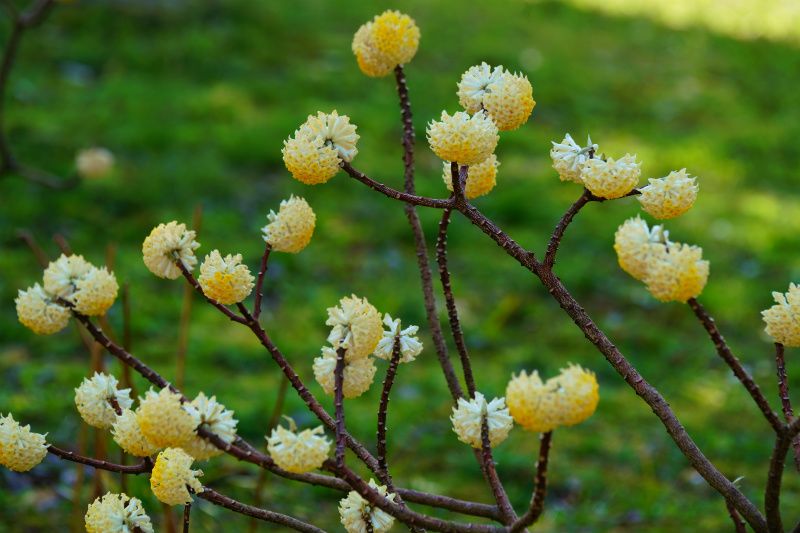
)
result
[(338, 403), (36, 249), (262, 272), (439, 203), (540, 489), (772, 493), (187, 510), (98, 464), (786, 402), (506, 511), (561, 227), (383, 409), (216, 498), (738, 524)]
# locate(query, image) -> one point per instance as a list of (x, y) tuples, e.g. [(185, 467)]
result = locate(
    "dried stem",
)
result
[(506, 511), (561, 227), (98, 464), (772, 493), (413, 199), (383, 408), (262, 272), (786, 402), (540, 489), (736, 366), (338, 403), (187, 510), (739, 525), (216, 498)]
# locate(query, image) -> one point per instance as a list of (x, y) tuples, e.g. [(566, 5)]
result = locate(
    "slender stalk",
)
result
[(338, 402), (40, 255), (187, 510), (506, 511), (739, 525), (98, 464), (786, 402), (413, 199), (772, 493), (540, 489), (561, 228), (383, 409), (210, 495), (262, 272), (736, 366)]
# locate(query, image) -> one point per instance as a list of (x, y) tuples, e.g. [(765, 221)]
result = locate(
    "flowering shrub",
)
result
[(171, 433)]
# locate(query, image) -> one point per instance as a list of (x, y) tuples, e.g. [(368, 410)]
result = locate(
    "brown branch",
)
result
[(141, 468), (506, 511), (739, 525), (786, 402), (187, 510), (772, 493), (383, 408), (561, 227), (194, 283), (736, 366), (540, 489), (216, 498), (439, 203), (262, 272), (338, 403)]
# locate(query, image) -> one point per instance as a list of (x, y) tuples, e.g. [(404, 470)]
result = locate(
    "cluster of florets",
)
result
[(360, 516), (783, 319), (565, 400), (94, 163), (319, 146), (117, 513), (172, 478), (20, 448), (290, 230), (69, 283), (505, 96), (225, 279), (98, 400), (298, 452), (388, 40), (469, 415)]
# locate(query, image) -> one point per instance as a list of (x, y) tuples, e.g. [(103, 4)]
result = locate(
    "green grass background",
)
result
[(195, 99)]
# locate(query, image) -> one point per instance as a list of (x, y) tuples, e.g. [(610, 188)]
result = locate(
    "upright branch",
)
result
[(561, 227), (187, 510), (383, 409), (506, 511), (736, 366), (141, 468), (540, 489), (739, 525), (786, 402), (262, 272), (338, 402)]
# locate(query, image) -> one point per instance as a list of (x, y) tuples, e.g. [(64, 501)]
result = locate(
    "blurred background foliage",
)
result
[(194, 98)]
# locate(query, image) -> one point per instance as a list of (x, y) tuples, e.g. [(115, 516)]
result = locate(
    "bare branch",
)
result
[(141, 468), (439, 203), (338, 403), (786, 402), (262, 272), (500, 496), (537, 500), (383, 408), (561, 227)]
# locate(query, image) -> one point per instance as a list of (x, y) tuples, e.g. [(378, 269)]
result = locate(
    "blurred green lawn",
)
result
[(195, 98)]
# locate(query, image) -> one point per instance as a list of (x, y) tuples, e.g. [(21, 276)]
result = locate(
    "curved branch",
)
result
[(383, 409), (537, 500), (561, 227), (141, 468), (786, 402), (772, 494), (413, 199), (262, 272)]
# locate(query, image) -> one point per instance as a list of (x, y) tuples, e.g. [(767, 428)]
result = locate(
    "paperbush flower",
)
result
[(62, 275), (481, 178), (298, 452), (677, 273), (783, 319), (576, 394), (358, 373), (309, 159), (669, 197), (506, 97), (360, 516), (468, 417), (38, 311), (163, 420), (128, 435), (290, 230), (635, 244), (94, 396), (20, 448), (465, 139), (94, 163), (208, 412), (117, 513), (167, 244), (612, 178), (410, 345), (95, 292), (356, 326), (531, 403), (334, 130), (474, 85), (171, 475), (390, 39), (225, 279), (569, 158)]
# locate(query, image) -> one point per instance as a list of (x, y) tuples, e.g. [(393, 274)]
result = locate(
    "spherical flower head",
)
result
[(163, 420), (475, 83), (62, 275), (356, 327), (481, 178), (677, 273), (20, 448), (290, 230), (225, 279), (167, 244), (569, 158), (94, 400), (94, 163), (509, 101), (171, 475), (370, 60), (671, 196), (117, 513), (334, 131), (309, 160), (390, 39), (635, 244), (468, 417), (208, 412), (465, 139), (576, 394), (360, 516), (95, 292), (298, 452), (410, 345), (358, 373), (612, 178), (783, 319), (532, 404), (38, 311), (128, 435)]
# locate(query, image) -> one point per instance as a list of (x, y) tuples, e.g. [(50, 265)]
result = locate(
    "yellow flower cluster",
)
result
[(117, 513), (356, 326), (465, 139), (677, 273), (298, 452), (390, 39), (318, 147), (611, 178), (635, 245), (360, 516), (210, 413), (669, 197), (38, 311), (20, 448), (290, 230), (783, 319), (172, 477), (565, 400), (507, 97), (128, 435), (163, 420), (167, 244), (481, 178), (410, 345), (94, 163), (225, 279), (468, 415), (358, 373), (89, 289), (568, 158), (94, 396)]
